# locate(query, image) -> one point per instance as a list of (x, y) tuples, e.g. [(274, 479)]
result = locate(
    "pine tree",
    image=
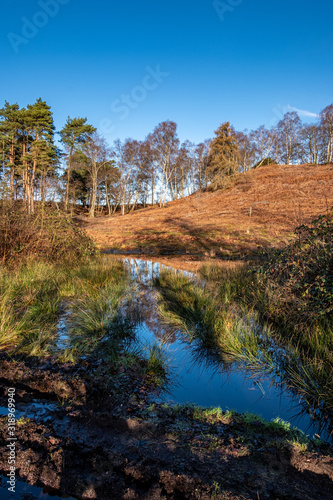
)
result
[(41, 150), (223, 156), (9, 130), (75, 132)]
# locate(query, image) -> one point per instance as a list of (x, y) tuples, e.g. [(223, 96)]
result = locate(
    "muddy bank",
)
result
[(99, 436)]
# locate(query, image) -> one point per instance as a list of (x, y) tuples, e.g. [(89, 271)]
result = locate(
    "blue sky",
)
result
[(128, 66)]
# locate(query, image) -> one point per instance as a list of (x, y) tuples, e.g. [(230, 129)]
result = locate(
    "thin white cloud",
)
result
[(302, 112)]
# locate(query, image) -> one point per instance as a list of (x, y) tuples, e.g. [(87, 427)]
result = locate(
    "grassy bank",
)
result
[(59, 297), (72, 313), (36, 295), (277, 432)]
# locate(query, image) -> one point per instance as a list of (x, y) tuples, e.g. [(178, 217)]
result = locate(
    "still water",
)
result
[(25, 491), (205, 381)]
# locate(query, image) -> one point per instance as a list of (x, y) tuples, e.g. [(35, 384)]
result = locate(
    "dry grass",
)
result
[(47, 234), (262, 207)]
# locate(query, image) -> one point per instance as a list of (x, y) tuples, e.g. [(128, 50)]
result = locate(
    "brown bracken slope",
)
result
[(261, 207)]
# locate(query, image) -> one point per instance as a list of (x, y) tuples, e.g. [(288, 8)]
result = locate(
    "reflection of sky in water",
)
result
[(147, 270), (63, 339), (35, 409), (26, 491), (205, 382), (43, 413)]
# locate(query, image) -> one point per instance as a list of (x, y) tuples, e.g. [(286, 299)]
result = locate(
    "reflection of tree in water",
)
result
[(216, 362), (149, 316), (144, 271), (301, 405), (145, 309)]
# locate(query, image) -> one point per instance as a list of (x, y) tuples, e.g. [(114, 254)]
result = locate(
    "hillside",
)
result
[(261, 207)]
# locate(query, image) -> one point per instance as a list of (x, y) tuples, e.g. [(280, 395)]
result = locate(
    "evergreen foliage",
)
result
[(223, 155)]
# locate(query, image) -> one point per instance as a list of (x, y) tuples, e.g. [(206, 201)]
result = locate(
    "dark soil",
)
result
[(102, 439)]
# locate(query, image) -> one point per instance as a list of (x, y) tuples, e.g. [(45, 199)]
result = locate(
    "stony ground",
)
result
[(96, 435)]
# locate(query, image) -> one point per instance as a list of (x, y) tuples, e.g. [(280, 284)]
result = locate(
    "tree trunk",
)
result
[(43, 187), (153, 190), (329, 149), (136, 197), (68, 177), (12, 171), (32, 189), (107, 197), (93, 198), (25, 177)]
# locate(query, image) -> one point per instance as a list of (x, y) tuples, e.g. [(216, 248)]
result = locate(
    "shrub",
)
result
[(47, 234), (302, 272)]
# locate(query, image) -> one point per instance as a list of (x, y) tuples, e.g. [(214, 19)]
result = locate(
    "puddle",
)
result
[(200, 378), (24, 491), (203, 380), (144, 271), (63, 340), (34, 410)]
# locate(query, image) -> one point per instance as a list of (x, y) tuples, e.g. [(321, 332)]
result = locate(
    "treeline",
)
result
[(87, 170), (290, 142)]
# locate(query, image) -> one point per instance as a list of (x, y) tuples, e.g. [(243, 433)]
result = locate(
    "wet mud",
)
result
[(89, 431)]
